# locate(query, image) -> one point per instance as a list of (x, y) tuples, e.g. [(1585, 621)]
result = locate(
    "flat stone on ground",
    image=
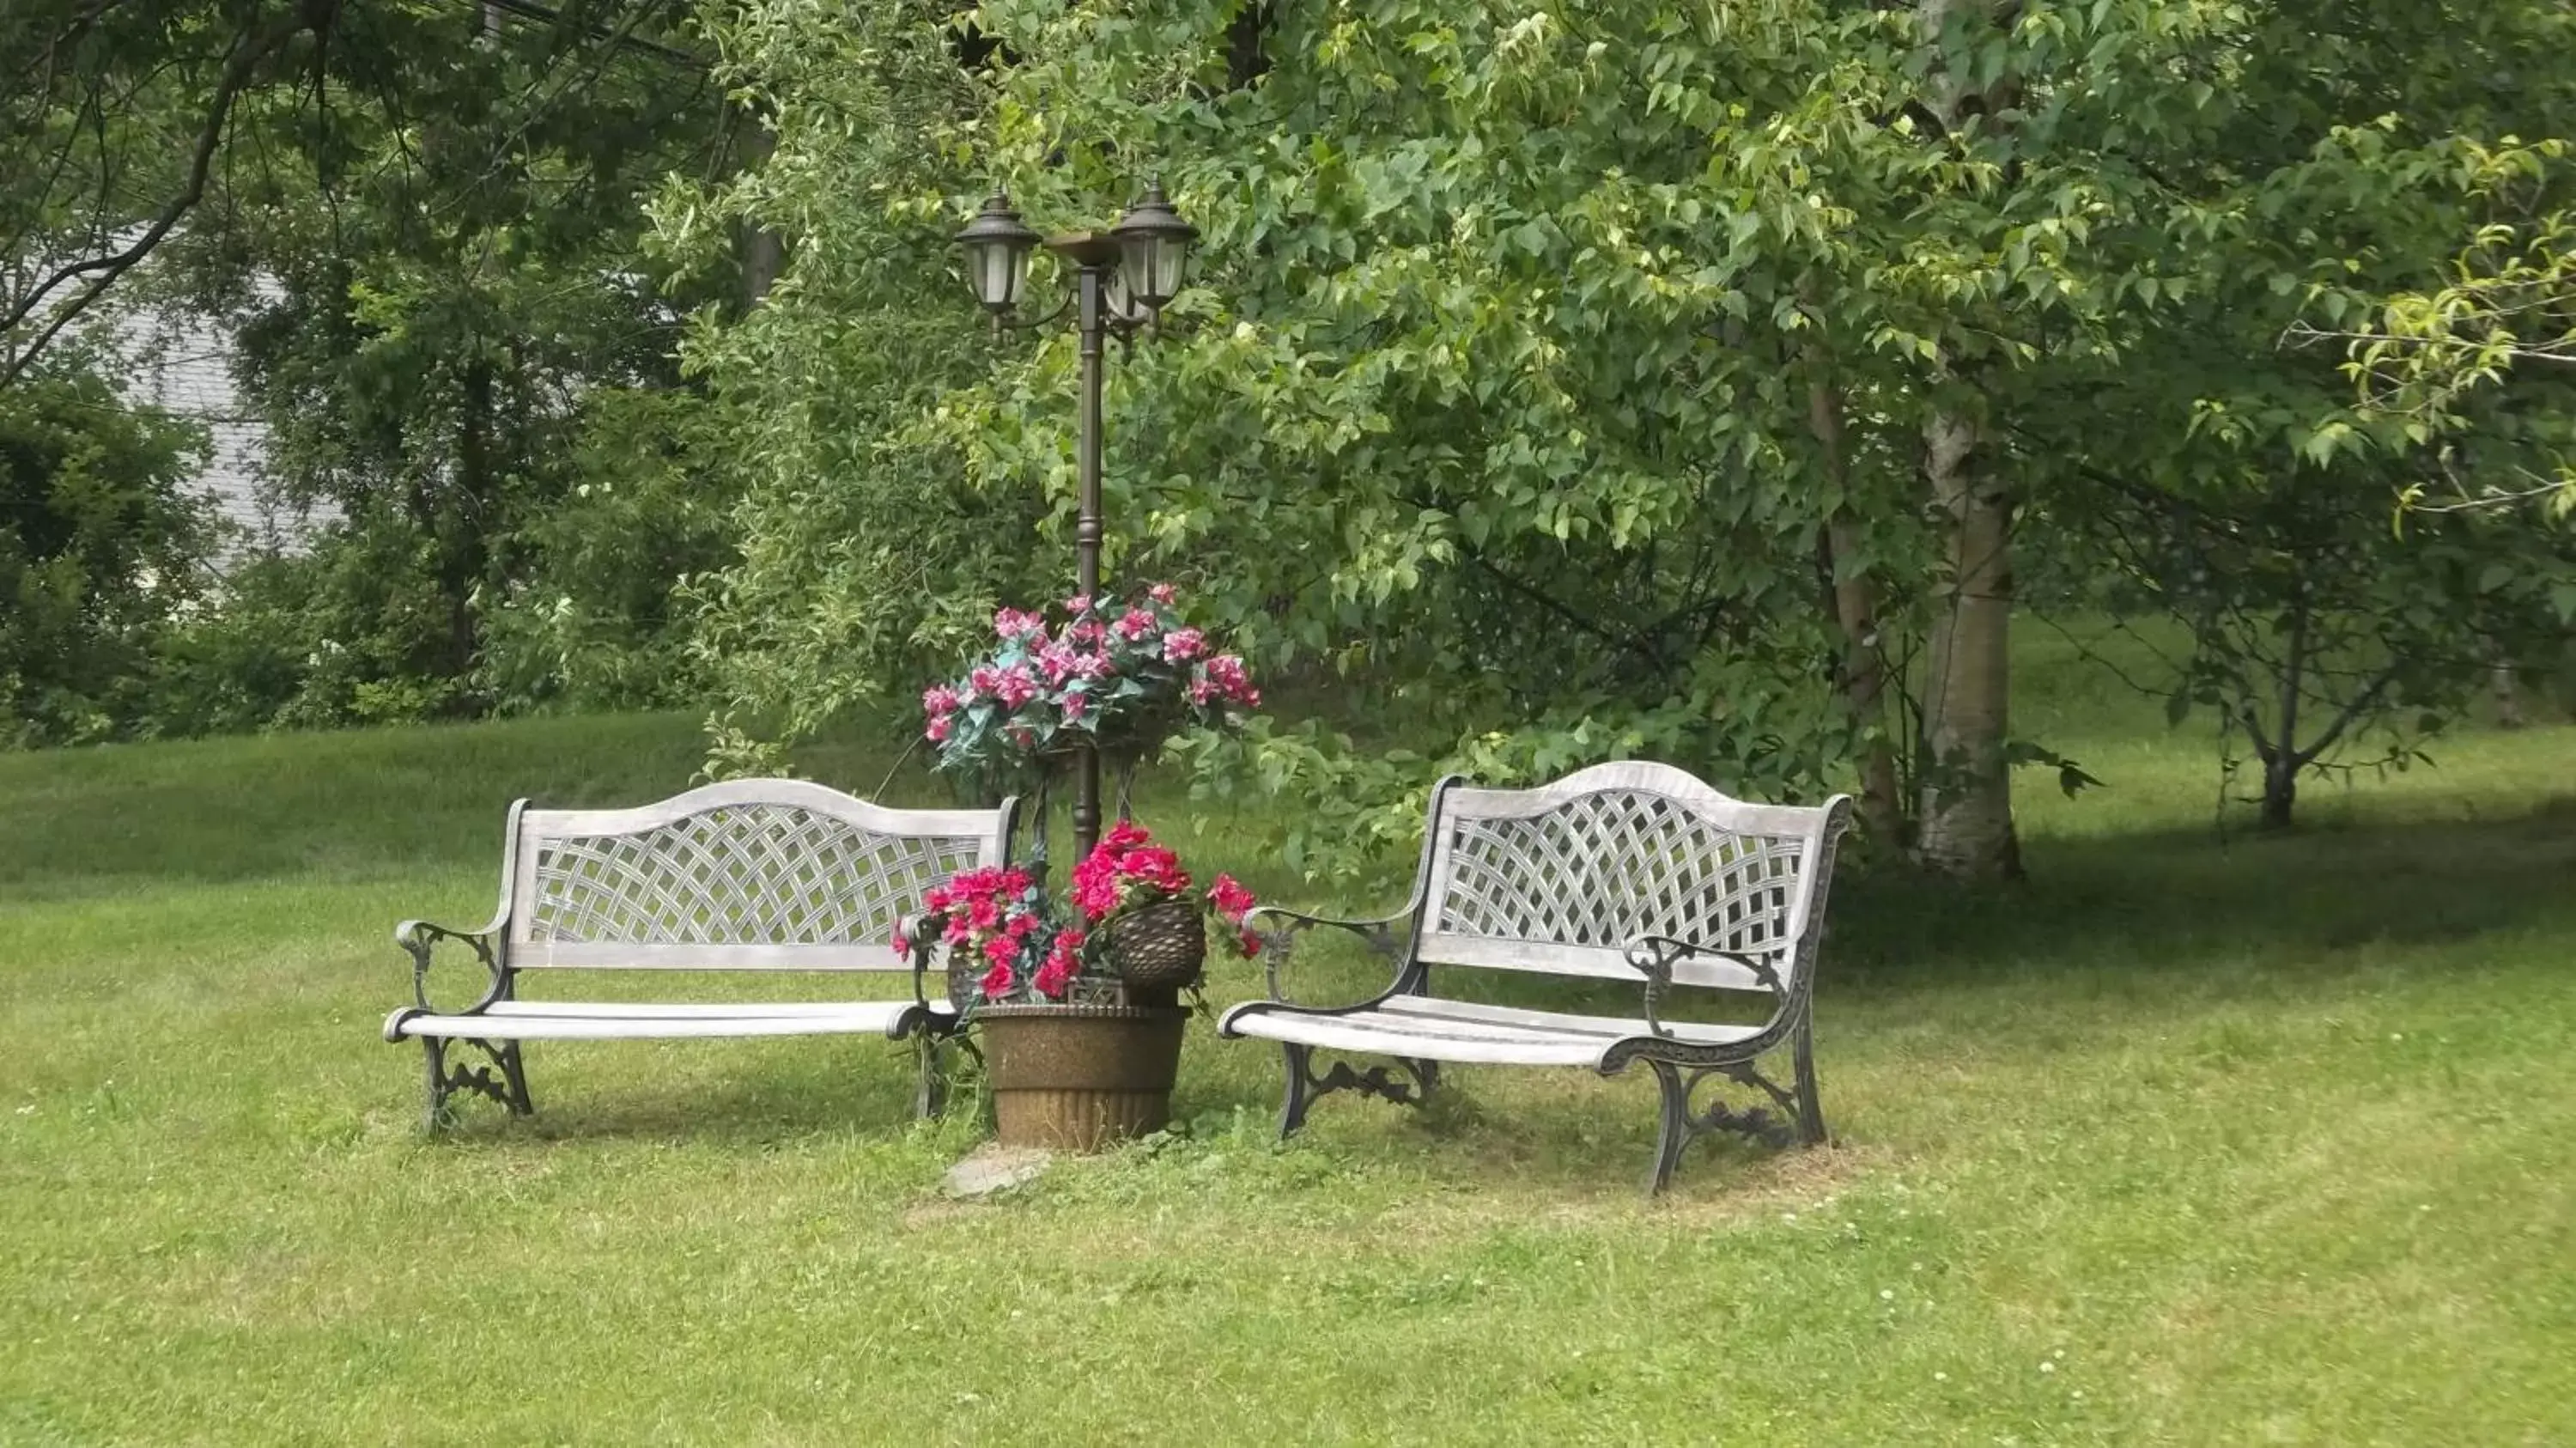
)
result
[(994, 1169)]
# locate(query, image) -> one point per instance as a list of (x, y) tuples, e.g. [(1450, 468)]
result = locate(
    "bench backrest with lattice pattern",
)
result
[(752, 874), (1563, 878)]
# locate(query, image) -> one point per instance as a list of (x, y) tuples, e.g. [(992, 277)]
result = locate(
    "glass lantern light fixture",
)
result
[(1140, 262), (1153, 248), (997, 246)]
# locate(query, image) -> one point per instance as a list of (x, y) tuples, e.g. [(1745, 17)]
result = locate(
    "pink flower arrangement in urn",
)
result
[(1122, 675), (1017, 943)]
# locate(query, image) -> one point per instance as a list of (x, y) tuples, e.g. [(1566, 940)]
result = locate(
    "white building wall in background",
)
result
[(182, 363)]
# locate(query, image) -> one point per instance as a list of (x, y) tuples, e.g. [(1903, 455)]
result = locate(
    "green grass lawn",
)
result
[(2189, 1140)]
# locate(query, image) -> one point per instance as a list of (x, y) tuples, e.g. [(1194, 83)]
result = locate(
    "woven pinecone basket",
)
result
[(1159, 947)]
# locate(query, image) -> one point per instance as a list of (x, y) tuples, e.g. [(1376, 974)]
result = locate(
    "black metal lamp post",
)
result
[(1124, 276)]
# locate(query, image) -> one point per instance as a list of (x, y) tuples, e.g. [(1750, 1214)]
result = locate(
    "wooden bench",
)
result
[(1634, 872), (755, 874)]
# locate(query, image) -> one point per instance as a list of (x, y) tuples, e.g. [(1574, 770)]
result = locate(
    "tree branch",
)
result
[(103, 271), (2350, 712)]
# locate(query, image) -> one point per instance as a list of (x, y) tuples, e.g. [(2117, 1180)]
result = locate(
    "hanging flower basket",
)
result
[(1120, 677)]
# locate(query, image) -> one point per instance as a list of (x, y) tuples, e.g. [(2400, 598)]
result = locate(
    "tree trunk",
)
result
[(1967, 827), (764, 251), (2280, 789), (1854, 607), (2282, 764), (466, 549), (2505, 687), (1246, 58), (1966, 831)]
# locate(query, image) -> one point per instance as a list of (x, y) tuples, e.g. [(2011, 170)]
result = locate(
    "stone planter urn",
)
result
[(1079, 1077)]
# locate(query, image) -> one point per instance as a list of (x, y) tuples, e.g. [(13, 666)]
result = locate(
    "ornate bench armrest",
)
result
[(918, 937), (417, 939), (1654, 957), (1279, 940)]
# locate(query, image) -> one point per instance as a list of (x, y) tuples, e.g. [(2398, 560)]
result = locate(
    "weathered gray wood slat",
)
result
[(1334, 1034), (711, 1011), (1608, 1027), (1454, 1027), (485, 1026), (1401, 1027), (670, 955)]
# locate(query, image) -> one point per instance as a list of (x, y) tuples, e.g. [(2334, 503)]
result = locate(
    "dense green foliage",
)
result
[(1700, 382), (2503, 319), (1551, 371), (98, 551), (420, 224)]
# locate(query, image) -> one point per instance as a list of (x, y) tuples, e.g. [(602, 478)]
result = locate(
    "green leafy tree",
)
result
[(1575, 383), (421, 219), (98, 551)]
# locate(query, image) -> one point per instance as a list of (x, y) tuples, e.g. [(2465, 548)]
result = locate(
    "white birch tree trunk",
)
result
[(1966, 828)]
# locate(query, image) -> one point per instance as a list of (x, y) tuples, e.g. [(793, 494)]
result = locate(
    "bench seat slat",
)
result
[(1459, 1028), (1375, 1036), (681, 955), (858, 1018), (1609, 1028), (1452, 1030), (710, 1010)]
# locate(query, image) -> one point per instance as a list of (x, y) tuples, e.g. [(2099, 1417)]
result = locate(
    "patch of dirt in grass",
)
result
[(1707, 1190)]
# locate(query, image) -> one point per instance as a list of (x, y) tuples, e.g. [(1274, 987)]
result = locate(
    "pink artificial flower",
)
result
[(1095, 889), (1054, 978), (1135, 623), (1001, 950), (940, 699), (998, 981), (1056, 661), (1075, 706), (1182, 645), (1094, 666), (1162, 593), (1229, 897), (1063, 964), (938, 898), (1022, 926), (1225, 671), (1155, 866), (1015, 686), (902, 944), (984, 914), (1250, 944), (1087, 631), (1201, 691), (1011, 623), (1013, 881), (982, 679), (1078, 605), (937, 732)]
